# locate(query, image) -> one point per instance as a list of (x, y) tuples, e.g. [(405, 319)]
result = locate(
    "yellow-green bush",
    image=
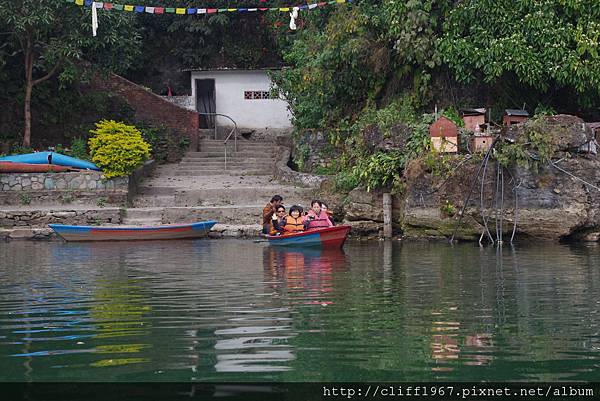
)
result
[(117, 148)]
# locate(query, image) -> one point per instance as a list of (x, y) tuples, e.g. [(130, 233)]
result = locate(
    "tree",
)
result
[(545, 44), (53, 37)]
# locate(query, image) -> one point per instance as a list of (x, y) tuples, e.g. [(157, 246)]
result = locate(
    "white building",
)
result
[(243, 95)]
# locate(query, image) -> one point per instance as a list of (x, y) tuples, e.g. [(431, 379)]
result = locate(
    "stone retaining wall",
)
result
[(77, 188), (41, 218)]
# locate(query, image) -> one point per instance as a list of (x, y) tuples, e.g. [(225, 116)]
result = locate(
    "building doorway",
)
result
[(205, 102)]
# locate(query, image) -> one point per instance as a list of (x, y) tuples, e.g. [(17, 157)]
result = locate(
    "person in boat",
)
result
[(294, 222), (316, 217), (328, 211), (278, 221), (268, 211)]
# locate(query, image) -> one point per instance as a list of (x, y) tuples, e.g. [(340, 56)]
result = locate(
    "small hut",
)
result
[(482, 143), (514, 116), (473, 118), (444, 135), (595, 128)]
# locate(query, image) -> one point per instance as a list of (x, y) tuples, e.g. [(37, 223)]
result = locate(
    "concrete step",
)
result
[(221, 154), (221, 159), (240, 142), (224, 196), (143, 213), (204, 171), (231, 214), (156, 190), (238, 165), (142, 222), (154, 201)]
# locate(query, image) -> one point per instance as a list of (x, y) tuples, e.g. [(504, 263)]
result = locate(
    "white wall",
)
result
[(229, 93)]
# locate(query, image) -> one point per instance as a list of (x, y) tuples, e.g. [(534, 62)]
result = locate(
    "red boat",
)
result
[(323, 237), (14, 167)]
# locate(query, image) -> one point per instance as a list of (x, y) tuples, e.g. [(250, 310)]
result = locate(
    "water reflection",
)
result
[(303, 274), (236, 310)]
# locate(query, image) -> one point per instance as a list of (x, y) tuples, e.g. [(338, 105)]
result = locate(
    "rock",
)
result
[(37, 186), (49, 183)]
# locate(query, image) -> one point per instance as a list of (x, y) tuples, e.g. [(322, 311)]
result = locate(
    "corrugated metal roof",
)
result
[(594, 125), (230, 69), (516, 112), (473, 112)]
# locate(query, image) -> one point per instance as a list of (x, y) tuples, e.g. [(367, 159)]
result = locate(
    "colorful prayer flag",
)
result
[(79, 2), (180, 11), (128, 8), (150, 10), (139, 9)]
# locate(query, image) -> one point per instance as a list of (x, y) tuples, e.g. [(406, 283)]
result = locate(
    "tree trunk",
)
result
[(28, 90)]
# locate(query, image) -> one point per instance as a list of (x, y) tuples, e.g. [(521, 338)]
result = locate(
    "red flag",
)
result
[(159, 10), (108, 6)]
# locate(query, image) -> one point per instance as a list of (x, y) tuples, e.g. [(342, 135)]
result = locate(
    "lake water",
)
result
[(237, 310)]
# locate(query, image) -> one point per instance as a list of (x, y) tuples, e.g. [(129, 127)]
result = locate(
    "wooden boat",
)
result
[(132, 233), (50, 158), (14, 167), (323, 237)]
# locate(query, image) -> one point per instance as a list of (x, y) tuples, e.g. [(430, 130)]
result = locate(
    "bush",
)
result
[(117, 148)]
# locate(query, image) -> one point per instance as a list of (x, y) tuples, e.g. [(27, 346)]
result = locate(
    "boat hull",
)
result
[(57, 158), (15, 167), (166, 232), (322, 237)]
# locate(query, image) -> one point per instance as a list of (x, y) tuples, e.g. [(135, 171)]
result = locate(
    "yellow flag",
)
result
[(232, 9), (284, 9), (341, 1), (128, 8), (180, 11), (79, 2)]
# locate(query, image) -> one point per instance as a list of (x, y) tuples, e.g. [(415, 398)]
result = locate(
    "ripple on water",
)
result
[(196, 310)]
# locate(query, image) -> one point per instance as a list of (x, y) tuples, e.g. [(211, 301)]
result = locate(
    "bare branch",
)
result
[(50, 73)]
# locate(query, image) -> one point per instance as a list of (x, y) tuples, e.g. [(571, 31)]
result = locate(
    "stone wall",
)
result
[(76, 188), (41, 218), (62, 188), (153, 108)]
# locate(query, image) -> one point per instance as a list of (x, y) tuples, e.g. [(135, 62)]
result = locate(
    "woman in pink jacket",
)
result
[(316, 218)]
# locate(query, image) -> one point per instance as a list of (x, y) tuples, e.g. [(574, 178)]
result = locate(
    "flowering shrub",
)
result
[(117, 148)]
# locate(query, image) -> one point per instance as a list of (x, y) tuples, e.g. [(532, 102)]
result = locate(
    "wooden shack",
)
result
[(595, 128), (514, 116), (481, 143), (473, 118), (444, 135)]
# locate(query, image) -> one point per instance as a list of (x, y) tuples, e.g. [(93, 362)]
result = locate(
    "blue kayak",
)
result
[(50, 158)]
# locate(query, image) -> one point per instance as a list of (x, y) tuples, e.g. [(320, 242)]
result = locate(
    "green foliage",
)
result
[(117, 148), (25, 199), (544, 44), (534, 150), (78, 148), (166, 145), (448, 208)]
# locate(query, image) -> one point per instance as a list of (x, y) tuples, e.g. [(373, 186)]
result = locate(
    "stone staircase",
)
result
[(250, 158), (200, 188)]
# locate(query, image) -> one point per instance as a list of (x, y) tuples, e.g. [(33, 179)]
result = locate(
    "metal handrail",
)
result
[(232, 132)]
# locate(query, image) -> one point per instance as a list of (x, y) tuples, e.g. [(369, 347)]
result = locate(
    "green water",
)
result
[(233, 310)]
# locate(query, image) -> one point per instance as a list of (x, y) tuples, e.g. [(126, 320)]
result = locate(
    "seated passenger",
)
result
[(295, 221), (316, 218), (326, 209), (277, 221)]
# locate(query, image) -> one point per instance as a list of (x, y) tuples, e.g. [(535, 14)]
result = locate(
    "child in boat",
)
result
[(294, 222), (277, 221), (326, 209), (316, 217)]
